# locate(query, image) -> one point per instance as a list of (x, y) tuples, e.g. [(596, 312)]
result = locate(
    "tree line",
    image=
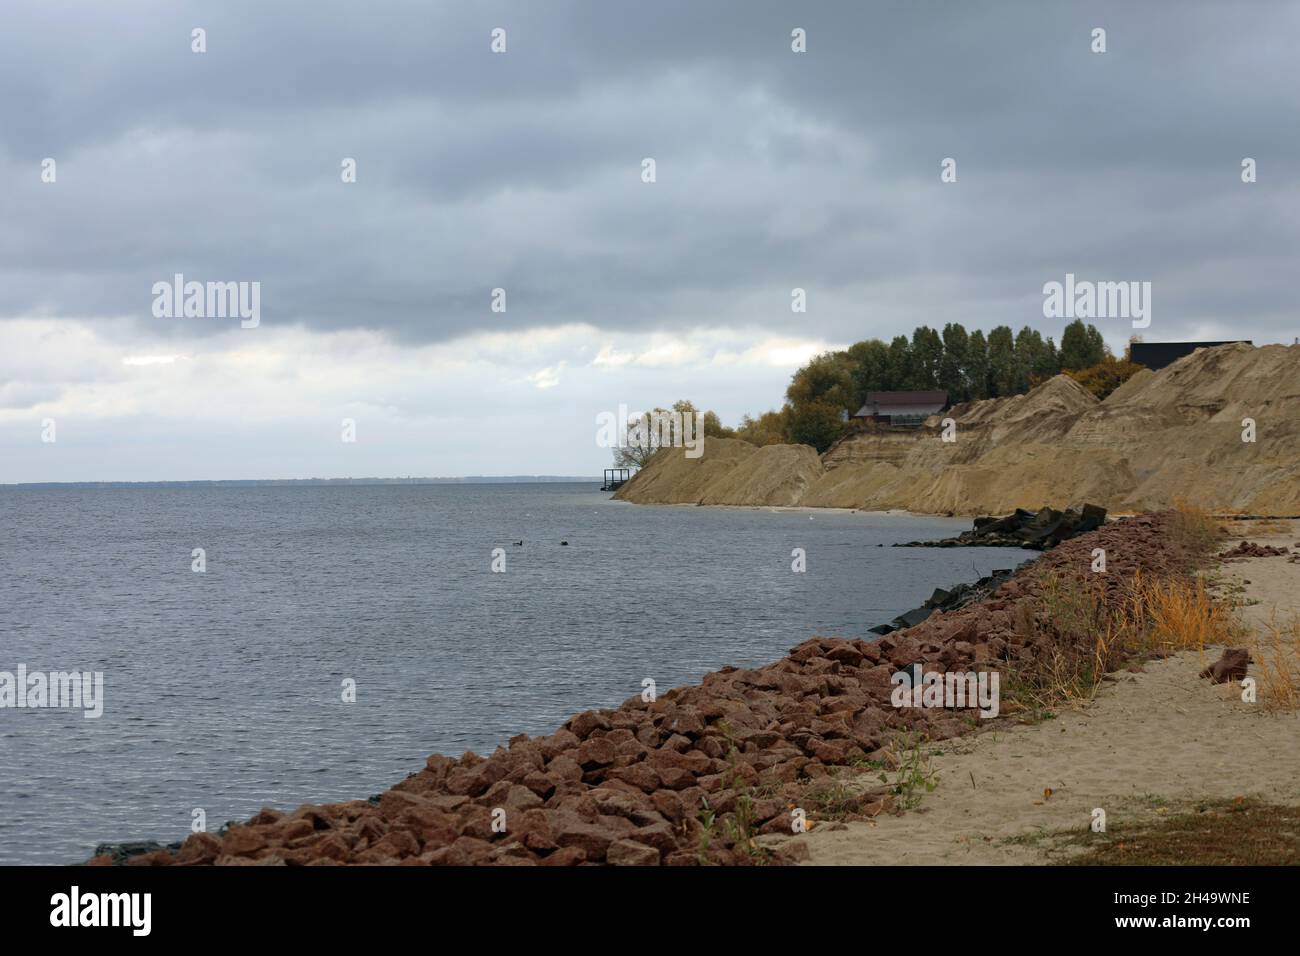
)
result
[(965, 365), (968, 366)]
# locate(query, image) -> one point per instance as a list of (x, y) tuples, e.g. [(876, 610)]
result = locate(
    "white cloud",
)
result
[(267, 402)]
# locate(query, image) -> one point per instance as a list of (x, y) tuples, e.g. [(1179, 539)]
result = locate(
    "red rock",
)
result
[(685, 721), (564, 767), (906, 653), (692, 760), (557, 743), (331, 847), (676, 778), (540, 784), (475, 780), (631, 853), (640, 775), (264, 816), (846, 654), (466, 851), (669, 804), (585, 723), (596, 752), (566, 856), (156, 858), (617, 803), (242, 841), (397, 844), (658, 835), (199, 848), (592, 838)]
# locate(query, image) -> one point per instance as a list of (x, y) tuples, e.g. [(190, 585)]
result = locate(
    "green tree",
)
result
[(1049, 363), (952, 367), (1030, 356), (1002, 362), (870, 369), (976, 368), (770, 428), (815, 423), (713, 427), (899, 368), (1081, 346), (927, 355), (827, 379)]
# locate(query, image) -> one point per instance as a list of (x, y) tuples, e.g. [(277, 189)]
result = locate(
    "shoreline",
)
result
[(694, 776), (1158, 746), (802, 509)]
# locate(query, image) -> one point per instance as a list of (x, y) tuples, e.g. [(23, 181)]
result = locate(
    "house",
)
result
[(1156, 355), (902, 408)]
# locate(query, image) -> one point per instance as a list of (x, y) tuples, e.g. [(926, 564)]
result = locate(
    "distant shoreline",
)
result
[(287, 482)]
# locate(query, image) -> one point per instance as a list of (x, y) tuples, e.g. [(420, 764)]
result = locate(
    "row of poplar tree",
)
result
[(965, 365)]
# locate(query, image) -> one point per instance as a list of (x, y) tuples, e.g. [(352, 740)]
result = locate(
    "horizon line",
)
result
[(367, 480)]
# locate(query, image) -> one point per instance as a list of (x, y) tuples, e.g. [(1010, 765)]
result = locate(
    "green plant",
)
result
[(913, 775)]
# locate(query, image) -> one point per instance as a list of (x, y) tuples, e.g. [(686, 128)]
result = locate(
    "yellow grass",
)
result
[(1275, 653), (1087, 639)]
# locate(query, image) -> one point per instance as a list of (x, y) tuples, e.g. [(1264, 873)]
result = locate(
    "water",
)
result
[(223, 690)]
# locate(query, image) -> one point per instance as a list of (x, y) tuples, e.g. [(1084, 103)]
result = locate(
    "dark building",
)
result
[(902, 408), (1156, 355)]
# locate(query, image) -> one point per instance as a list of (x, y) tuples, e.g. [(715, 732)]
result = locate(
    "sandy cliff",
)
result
[(1163, 436)]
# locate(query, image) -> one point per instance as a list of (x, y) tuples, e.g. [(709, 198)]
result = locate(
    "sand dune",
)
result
[(1165, 436)]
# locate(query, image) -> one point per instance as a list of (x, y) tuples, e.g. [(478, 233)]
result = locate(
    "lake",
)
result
[(223, 690)]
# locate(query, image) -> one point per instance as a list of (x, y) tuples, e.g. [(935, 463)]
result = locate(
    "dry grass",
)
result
[(1080, 637), (1181, 616), (1194, 530), (1275, 652)]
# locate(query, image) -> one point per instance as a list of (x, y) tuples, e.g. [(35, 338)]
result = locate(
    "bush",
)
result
[(1106, 376)]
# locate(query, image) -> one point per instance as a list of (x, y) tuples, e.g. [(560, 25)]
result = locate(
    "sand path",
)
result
[(1150, 743)]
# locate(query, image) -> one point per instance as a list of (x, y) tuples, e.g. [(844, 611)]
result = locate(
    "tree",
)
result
[(642, 443), (827, 379), (1081, 346), (899, 367), (976, 368), (952, 367), (1031, 358), (927, 354), (713, 427), (1049, 363), (817, 424), (1002, 362), (870, 369), (1106, 376), (660, 427), (770, 428)]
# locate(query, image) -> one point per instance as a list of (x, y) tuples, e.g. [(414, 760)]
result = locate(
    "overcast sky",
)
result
[(522, 170)]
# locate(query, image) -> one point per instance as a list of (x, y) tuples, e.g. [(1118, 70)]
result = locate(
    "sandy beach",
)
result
[(1155, 741)]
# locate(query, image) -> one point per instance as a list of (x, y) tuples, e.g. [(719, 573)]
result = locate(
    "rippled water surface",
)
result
[(223, 689)]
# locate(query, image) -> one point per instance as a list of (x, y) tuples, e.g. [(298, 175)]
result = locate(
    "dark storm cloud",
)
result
[(775, 170)]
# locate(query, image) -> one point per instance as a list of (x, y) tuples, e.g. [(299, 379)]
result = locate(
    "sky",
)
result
[(522, 170)]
